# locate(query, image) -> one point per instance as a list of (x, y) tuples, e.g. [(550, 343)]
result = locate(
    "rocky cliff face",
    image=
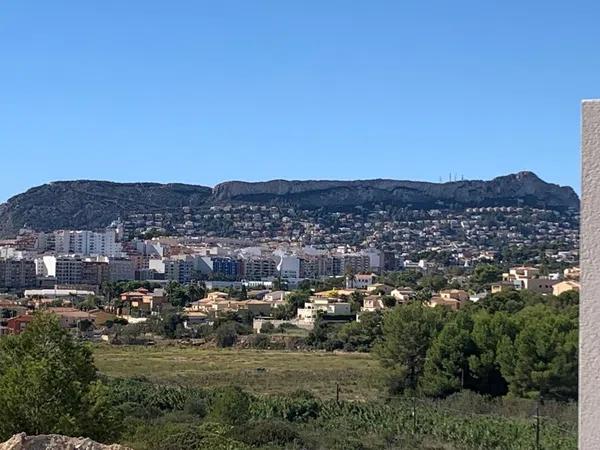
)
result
[(523, 188), (55, 442), (94, 204)]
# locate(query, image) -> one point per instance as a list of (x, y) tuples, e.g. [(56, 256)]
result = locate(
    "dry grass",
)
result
[(259, 371)]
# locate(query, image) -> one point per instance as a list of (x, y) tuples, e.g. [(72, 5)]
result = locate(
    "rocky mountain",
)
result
[(524, 188), (94, 204)]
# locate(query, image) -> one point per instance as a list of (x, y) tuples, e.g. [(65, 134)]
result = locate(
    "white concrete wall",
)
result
[(589, 332)]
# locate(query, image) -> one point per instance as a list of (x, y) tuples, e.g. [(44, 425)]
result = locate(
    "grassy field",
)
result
[(258, 371)]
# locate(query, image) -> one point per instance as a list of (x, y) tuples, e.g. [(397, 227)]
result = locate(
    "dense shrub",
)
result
[(299, 420), (231, 405), (267, 328), (263, 432), (197, 406), (226, 335), (172, 435), (260, 341)]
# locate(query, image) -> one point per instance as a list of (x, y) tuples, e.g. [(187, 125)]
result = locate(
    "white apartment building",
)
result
[(289, 266), (85, 243), (178, 269)]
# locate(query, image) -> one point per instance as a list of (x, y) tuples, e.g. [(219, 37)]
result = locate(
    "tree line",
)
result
[(515, 343)]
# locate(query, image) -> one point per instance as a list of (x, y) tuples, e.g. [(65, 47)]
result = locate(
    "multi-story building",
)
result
[(354, 262), (121, 269), (94, 272), (68, 270), (258, 268), (316, 266), (180, 269), (17, 273), (64, 269), (289, 267), (229, 267), (86, 243)]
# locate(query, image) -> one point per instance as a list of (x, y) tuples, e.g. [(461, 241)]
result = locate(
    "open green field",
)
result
[(258, 371)]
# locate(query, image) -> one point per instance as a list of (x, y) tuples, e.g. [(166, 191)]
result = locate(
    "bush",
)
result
[(333, 344), (267, 328), (196, 406), (285, 326), (264, 432), (139, 411), (260, 341), (185, 436), (231, 406), (298, 406), (226, 335)]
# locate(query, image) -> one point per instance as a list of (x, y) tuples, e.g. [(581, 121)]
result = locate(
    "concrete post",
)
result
[(589, 331)]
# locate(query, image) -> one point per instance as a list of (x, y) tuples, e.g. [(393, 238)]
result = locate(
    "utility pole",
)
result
[(337, 392)]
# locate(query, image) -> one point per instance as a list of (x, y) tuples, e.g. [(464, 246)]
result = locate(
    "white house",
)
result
[(330, 307)]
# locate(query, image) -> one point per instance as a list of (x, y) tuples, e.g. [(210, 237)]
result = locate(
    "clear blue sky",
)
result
[(201, 92)]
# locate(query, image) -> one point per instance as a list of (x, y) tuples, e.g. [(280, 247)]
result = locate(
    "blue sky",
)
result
[(202, 92)]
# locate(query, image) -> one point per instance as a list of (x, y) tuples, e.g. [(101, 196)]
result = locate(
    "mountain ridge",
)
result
[(91, 204)]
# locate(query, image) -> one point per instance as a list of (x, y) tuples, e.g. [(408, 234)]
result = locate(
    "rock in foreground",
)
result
[(55, 442)]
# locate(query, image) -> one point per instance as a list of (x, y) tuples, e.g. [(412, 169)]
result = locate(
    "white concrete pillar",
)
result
[(589, 313)]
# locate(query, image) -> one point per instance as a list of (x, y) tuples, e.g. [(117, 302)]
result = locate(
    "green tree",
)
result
[(319, 335), (195, 292), (509, 301), (226, 335), (388, 301), (177, 294), (542, 360), (447, 366), (434, 282), (48, 385), (293, 301), (267, 328), (406, 278), (356, 301), (485, 274), (362, 336), (91, 302), (407, 334), (488, 332)]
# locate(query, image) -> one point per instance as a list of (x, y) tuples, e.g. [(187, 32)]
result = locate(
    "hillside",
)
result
[(524, 187), (93, 204)]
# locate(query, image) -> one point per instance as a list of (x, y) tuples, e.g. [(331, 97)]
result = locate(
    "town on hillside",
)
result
[(280, 269)]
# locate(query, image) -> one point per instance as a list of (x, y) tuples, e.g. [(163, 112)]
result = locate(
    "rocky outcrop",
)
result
[(523, 188), (94, 204), (55, 442)]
